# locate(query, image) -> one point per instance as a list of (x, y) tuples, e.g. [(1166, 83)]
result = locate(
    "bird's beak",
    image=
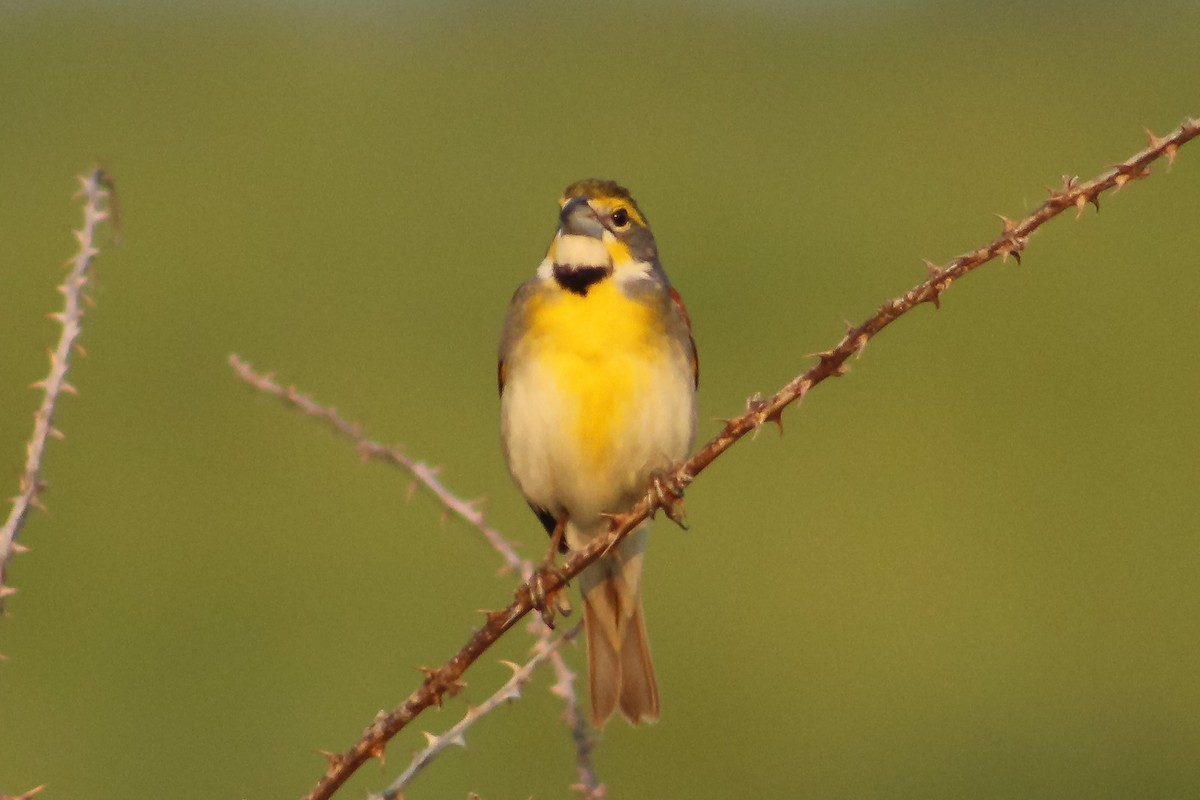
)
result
[(578, 219)]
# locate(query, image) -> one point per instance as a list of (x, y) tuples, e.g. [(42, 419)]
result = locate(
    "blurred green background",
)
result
[(969, 568)]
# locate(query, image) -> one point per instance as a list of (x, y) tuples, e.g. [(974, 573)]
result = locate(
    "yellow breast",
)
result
[(601, 351)]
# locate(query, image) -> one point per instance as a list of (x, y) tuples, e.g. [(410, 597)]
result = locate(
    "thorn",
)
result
[(378, 752), (1127, 173), (1014, 244), (68, 388), (561, 690), (756, 403), (430, 739), (1070, 184), (1163, 143), (440, 685), (27, 794), (829, 357), (17, 547), (1061, 194), (614, 520), (1082, 200), (935, 283), (7, 591), (56, 433), (515, 667), (475, 509), (334, 759), (80, 350), (859, 343)]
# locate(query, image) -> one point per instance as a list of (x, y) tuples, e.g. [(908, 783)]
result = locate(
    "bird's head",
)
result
[(601, 233)]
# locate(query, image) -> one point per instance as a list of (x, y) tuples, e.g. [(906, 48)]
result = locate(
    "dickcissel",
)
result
[(598, 377)]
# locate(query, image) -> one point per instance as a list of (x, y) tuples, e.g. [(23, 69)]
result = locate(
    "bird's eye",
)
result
[(620, 218)]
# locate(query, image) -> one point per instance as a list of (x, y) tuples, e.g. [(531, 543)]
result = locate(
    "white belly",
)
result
[(585, 444)]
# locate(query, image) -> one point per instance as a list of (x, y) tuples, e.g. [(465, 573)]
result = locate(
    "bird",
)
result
[(598, 376)]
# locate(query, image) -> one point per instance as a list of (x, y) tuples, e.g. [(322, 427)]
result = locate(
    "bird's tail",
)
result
[(619, 668)]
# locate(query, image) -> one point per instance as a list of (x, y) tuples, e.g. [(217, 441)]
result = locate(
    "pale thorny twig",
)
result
[(544, 649), (422, 474), (94, 188), (589, 786), (546, 644)]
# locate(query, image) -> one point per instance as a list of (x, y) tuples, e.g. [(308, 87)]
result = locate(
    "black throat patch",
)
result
[(579, 279)]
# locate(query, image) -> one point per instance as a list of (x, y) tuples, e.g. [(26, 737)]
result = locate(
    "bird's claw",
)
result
[(666, 492), (549, 602)]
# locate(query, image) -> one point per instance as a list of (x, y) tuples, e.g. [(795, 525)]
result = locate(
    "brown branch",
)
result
[(831, 363), (94, 188)]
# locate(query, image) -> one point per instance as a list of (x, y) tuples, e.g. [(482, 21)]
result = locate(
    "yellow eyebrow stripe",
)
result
[(611, 204)]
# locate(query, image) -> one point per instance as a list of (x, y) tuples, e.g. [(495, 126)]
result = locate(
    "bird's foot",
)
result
[(666, 493), (549, 602)]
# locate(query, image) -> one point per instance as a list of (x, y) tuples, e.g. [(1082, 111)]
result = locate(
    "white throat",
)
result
[(573, 250)]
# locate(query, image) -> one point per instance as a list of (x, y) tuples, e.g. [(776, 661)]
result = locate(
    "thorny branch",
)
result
[(831, 363), (95, 189), (423, 475), (589, 786)]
